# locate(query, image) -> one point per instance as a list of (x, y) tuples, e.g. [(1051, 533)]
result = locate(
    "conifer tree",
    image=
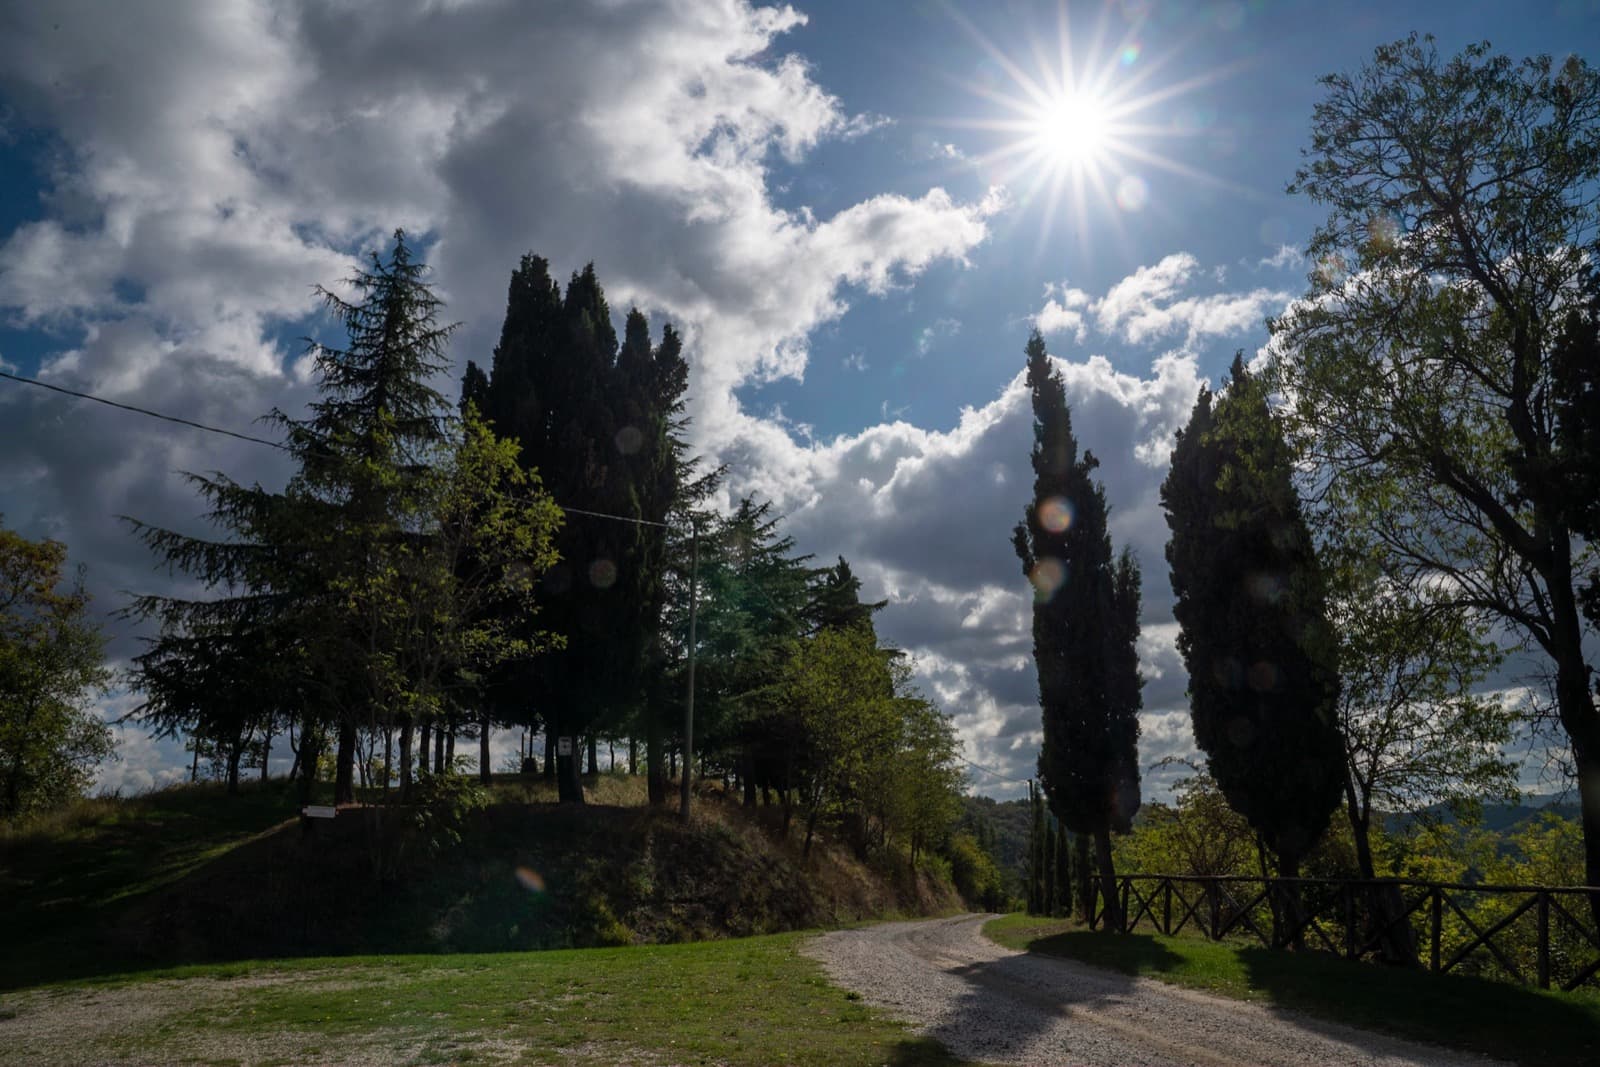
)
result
[(1254, 633), (1088, 763)]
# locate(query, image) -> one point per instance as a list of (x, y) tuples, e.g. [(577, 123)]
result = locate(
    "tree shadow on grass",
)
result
[(1497, 1018)]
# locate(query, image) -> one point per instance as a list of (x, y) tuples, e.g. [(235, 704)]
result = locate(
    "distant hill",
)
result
[(1502, 819), (1009, 824)]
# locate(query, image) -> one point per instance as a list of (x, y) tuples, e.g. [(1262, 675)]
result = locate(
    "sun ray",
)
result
[(1073, 133)]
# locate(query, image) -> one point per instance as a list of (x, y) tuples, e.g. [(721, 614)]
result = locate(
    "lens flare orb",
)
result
[(1055, 514)]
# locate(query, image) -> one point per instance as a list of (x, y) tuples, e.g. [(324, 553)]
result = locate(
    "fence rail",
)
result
[(1531, 934)]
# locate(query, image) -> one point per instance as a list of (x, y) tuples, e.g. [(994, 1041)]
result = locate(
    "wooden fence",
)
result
[(1537, 935)]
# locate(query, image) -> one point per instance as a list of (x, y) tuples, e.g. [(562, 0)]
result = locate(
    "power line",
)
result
[(140, 411), (263, 441), (997, 774)]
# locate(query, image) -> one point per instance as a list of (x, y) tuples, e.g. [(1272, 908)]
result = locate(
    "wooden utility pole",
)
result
[(688, 707)]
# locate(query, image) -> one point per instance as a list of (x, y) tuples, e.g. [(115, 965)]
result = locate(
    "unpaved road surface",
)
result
[(997, 1005)]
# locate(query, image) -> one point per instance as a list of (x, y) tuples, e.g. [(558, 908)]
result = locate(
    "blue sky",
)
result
[(830, 199)]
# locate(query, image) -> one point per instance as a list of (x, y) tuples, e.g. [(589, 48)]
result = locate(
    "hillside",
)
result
[(189, 875)]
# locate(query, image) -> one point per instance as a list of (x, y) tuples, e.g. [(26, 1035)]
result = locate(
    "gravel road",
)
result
[(997, 1005)]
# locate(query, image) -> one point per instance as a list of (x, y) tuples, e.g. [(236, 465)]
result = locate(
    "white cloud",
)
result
[(935, 330), (1285, 257), (218, 160), (1146, 307)]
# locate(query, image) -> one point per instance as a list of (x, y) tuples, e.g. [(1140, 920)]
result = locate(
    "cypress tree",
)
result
[(1063, 854), (1088, 763), (1253, 622)]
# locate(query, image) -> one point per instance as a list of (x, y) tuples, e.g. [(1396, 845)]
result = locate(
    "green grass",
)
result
[(1474, 1014), (751, 1001)]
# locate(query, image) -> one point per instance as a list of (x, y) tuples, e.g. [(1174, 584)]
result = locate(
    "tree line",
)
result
[(1402, 491), (540, 556)]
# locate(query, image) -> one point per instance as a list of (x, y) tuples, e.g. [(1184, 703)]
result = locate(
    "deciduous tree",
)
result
[(50, 667), (1422, 367)]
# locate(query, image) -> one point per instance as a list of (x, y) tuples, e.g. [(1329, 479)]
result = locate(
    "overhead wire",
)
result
[(990, 771), (262, 440), (139, 410)]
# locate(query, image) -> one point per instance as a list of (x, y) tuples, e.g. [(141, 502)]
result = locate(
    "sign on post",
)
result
[(563, 746)]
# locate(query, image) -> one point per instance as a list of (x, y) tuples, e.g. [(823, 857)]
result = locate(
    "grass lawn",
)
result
[(1496, 1018), (753, 1001)]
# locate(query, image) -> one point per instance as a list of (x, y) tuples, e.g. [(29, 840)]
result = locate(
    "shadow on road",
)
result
[(1033, 1006)]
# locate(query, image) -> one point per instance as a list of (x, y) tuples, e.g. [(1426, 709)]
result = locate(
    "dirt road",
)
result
[(997, 1005)]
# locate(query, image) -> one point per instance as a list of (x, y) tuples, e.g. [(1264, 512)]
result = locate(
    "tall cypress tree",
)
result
[(1088, 763), (601, 423), (1253, 622)]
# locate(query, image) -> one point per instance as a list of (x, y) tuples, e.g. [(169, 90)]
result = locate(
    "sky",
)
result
[(855, 213)]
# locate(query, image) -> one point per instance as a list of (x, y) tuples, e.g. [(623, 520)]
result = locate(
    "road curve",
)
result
[(997, 1005)]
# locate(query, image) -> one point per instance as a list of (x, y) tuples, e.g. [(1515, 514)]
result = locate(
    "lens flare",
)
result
[(1055, 514), (1047, 576), (602, 574), (1132, 193), (529, 879), (629, 440)]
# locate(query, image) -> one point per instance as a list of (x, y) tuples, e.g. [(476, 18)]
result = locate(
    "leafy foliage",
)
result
[(50, 740), (1433, 368)]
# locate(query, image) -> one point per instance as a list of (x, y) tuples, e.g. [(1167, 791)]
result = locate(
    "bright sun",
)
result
[(1081, 128), (1072, 130)]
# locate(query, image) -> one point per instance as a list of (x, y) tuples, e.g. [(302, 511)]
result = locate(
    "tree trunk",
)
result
[(235, 752), (594, 762), (388, 756), (550, 752), (439, 735), (1084, 872), (633, 755), (344, 779), (310, 755), (1108, 878), (424, 747), (405, 759), (266, 749), (1286, 907), (483, 749), (654, 758), (747, 779)]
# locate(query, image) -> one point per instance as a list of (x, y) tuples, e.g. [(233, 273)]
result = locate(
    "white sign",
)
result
[(318, 811), (563, 746)]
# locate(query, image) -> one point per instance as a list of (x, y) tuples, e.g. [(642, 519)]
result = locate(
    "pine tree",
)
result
[(364, 457), (1254, 633), (1088, 763)]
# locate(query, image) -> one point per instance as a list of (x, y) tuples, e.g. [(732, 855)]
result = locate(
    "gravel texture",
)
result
[(997, 1005)]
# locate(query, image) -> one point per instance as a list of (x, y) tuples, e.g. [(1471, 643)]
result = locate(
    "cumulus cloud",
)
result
[(925, 518), (214, 162), (1148, 306)]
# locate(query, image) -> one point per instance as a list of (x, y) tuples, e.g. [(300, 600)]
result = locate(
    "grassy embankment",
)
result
[(752, 1001), (1495, 1018), (189, 876)]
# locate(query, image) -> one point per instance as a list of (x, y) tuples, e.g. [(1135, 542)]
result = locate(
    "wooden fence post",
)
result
[(1437, 922), (1544, 939), (1216, 916), (1166, 906), (1349, 921)]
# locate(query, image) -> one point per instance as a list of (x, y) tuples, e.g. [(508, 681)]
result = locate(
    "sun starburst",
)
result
[(1080, 126)]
